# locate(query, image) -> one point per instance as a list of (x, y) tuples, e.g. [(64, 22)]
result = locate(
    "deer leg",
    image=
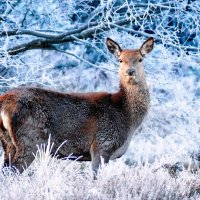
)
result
[(9, 153), (24, 159), (8, 148), (96, 159), (12, 153), (19, 152), (26, 145), (19, 162)]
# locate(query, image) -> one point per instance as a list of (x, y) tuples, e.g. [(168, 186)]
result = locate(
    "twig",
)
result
[(140, 33), (81, 59), (99, 50)]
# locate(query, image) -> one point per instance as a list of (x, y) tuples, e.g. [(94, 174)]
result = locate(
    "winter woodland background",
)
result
[(60, 44)]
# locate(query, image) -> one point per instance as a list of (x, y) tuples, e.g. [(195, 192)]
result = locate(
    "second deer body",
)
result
[(94, 125)]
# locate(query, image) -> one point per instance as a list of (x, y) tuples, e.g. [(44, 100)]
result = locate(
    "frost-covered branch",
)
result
[(47, 35), (159, 20), (62, 38)]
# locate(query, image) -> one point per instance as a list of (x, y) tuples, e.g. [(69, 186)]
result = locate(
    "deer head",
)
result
[(131, 69)]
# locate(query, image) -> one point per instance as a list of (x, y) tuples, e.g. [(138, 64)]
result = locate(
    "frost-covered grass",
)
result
[(49, 178)]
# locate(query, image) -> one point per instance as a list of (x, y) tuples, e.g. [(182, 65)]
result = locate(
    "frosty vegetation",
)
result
[(60, 45)]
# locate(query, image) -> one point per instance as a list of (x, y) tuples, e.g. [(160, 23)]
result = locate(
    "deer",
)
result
[(94, 125)]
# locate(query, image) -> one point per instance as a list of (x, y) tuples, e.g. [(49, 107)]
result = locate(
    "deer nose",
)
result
[(131, 71)]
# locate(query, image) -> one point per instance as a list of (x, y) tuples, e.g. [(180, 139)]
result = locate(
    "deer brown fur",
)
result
[(94, 125)]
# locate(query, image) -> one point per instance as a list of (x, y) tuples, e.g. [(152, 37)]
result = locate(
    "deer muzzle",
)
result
[(131, 72)]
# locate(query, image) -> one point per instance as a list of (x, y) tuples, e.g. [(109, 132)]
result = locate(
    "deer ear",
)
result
[(147, 46), (113, 47)]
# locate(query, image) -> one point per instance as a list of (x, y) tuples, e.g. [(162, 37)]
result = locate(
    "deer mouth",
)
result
[(132, 79)]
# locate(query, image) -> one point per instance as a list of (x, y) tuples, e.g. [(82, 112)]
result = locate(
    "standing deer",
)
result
[(94, 125)]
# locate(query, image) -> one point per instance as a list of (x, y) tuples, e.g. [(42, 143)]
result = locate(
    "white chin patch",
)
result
[(132, 80)]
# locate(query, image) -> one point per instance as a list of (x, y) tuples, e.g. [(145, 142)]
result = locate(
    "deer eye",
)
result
[(120, 61), (134, 61), (140, 60)]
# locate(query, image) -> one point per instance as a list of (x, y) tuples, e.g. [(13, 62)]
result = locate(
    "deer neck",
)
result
[(136, 101)]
